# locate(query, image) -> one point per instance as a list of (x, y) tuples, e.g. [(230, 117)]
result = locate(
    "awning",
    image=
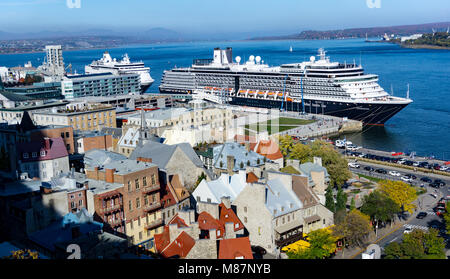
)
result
[(311, 219), (288, 227)]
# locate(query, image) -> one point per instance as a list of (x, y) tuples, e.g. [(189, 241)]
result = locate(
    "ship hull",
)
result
[(145, 87), (368, 113)]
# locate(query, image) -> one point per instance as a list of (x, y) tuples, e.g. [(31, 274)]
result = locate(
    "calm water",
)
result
[(423, 126)]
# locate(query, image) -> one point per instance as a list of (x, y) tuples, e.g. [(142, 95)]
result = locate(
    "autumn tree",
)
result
[(322, 244), (354, 229), (401, 193), (285, 143), (301, 152), (447, 217), (23, 255)]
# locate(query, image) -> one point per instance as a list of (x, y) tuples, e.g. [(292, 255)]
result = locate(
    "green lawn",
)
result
[(374, 179), (283, 124)]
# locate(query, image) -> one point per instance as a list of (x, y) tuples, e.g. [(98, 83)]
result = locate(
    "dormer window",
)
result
[(34, 154), (43, 153), (25, 155)]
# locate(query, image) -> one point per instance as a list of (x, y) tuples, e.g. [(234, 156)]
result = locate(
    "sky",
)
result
[(208, 16)]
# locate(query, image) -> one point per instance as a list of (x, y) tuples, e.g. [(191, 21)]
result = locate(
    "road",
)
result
[(425, 203)]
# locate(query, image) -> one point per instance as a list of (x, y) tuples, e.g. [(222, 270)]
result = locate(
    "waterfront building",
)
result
[(105, 84), (13, 106), (81, 116), (39, 91)]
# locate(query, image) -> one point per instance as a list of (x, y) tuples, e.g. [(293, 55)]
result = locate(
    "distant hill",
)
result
[(360, 32)]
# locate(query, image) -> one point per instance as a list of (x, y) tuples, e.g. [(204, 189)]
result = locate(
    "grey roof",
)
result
[(162, 153), (98, 157), (20, 187), (240, 154), (115, 132), (280, 199), (100, 186), (308, 167)]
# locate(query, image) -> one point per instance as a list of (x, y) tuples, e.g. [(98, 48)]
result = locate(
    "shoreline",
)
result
[(424, 46)]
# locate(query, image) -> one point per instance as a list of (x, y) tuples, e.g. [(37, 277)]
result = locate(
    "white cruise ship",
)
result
[(316, 86), (107, 64)]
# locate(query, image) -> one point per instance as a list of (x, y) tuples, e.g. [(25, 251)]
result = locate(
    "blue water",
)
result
[(423, 126)]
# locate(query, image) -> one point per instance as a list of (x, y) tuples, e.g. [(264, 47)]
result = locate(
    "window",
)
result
[(130, 205), (146, 200), (138, 202), (137, 184), (144, 181), (131, 224), (80, 202), (25, 155), (245, 219), (140, 235), (62, 135), (71, 197), (139, 222), (72, 205), (153, 179), (129, 186)]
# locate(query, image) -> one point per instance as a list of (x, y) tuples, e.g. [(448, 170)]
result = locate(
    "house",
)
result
[(87, 140), (225, 186), (278, 212), (178, 159), (209, 236), (125, 195), (43, 159), (317, 174), (174, 196)]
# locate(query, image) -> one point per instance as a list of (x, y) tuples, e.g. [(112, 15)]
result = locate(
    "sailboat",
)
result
[(290, 49)]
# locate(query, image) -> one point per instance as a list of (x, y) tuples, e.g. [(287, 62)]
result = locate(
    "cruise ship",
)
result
[(317, 86), (125, 66)]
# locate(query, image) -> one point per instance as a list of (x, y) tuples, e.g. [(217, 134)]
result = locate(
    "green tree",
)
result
[(341, 200), (352, 204), (417, 245), (329, 199), (200, 178), (379, 207), (354, 229), (301, 152), (447, 217)]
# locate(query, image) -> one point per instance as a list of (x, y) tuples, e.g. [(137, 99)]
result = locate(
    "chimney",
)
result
[(146, 160), (47, 143), (229, 230), (318, 161), (76, 232), (247, 146), (173, 232), (110, 175), (230, 164), (226, 201), (213, 234)]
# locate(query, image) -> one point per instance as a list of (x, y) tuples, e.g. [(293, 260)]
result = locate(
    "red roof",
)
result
[(54, 150), (244, 139), (236, 248), (252, 178), (207, 222), (180, 247), (269, 149), (162, 240), (227, 215)]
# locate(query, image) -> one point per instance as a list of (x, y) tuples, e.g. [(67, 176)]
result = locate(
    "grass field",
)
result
[(283, 124)]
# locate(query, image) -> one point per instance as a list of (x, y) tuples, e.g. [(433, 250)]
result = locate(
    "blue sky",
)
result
[(271, 16)]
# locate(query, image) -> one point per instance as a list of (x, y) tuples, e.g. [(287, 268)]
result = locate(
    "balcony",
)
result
[(154, 224), (111, 209), (152, 206), (115, 222), (284, 241), (150, 189)]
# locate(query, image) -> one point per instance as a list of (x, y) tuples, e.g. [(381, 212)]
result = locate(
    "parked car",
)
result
[(394, 173), (440, 182), (426, 179), (354, 165), (412, 176), (421, 215), (382, 171), (406, 179), (433, 195), (369, 169), (259, 250)]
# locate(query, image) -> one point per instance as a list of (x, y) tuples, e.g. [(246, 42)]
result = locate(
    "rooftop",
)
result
[(240, 154)]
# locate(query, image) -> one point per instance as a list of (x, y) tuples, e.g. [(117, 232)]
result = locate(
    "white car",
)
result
[(444, 168), (401, 161), (406, 179), (408, 230), (394, 173), (354, 165)]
